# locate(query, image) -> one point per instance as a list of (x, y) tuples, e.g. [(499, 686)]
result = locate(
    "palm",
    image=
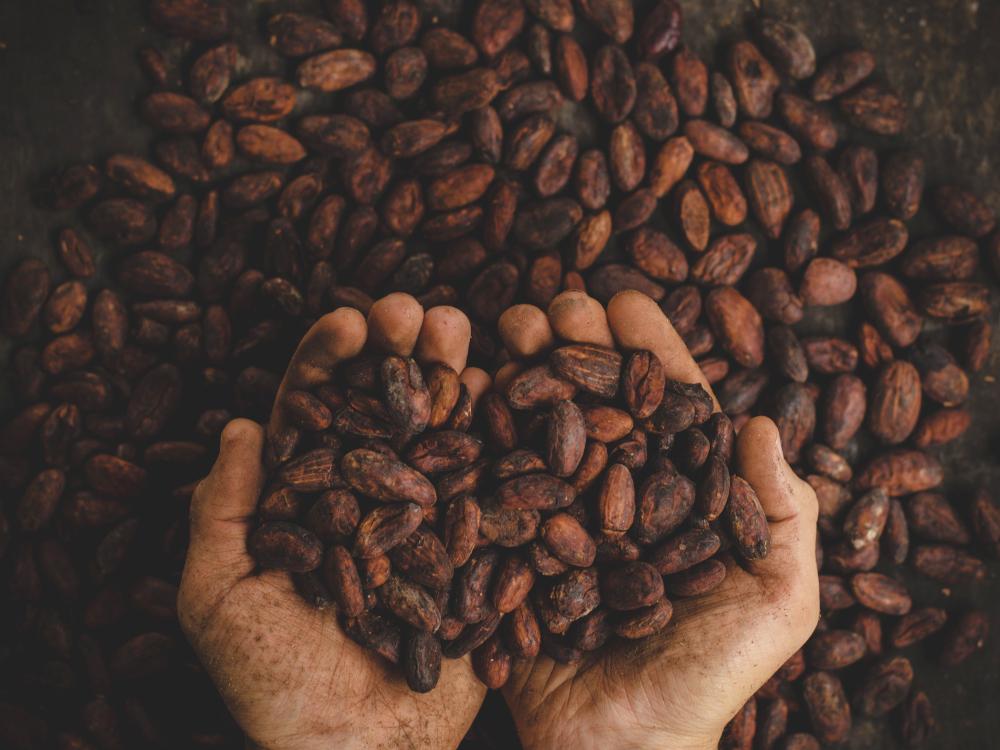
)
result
[(721, 645), (282, 666)]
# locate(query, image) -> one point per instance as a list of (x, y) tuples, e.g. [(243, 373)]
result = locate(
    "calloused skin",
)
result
[(680, 688), (292, 679), (289, 675)]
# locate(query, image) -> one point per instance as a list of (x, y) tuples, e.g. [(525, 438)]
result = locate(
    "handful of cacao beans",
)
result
[(561, 512), (440, 170)]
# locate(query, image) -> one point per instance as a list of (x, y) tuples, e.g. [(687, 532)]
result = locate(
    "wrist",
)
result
[(354, 738), (640, 738), (340, 741), (670, 741)]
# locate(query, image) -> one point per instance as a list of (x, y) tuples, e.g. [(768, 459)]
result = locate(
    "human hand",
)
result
[(289, 675), (677, 689)]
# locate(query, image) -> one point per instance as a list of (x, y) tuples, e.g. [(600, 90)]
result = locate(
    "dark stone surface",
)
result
[(68, 91)]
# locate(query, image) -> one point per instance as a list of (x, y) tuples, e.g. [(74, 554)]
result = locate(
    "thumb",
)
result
[(789, 502), (222, 508)]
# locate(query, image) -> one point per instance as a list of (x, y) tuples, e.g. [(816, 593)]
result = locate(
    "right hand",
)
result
[(677, 689), (289, 675)]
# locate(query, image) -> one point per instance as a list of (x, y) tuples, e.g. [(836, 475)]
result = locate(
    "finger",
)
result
[(334, 338), (223, 505), (577, 317), (505, 374), (477, 382), (637, 322), (788, 502), (525, 331), (444, 338), (394, 323)]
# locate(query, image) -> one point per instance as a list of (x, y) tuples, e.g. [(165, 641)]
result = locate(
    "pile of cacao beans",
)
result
[(514, 150), (427, 538)]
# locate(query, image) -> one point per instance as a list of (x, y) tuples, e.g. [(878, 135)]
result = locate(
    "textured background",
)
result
[(69, 85)]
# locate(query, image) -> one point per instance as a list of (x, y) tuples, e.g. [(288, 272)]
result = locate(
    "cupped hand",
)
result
[(679, 688), (289, 675)]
